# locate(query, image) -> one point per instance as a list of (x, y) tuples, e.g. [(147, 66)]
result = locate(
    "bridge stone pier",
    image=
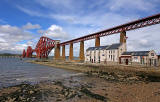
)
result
[(97, 41), (71, 52), (81, 54), (57, 50), (123, 37), (63, 52)]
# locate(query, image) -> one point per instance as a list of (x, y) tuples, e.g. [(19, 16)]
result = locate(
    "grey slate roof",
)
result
[(114, 46), (97, 48), (136, 53), (107, 47)]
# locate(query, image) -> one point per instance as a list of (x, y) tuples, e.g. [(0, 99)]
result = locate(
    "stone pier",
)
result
[(63, 52), (97, 41), (81, 54), (57, 52), (71, 52), (123, 37)]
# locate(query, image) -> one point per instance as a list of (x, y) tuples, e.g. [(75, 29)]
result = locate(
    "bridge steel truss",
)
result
[(148, 21), (43, 48), (45, 45)]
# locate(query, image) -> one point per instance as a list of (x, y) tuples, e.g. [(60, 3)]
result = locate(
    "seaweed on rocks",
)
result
[(93, 95), (26, 93)]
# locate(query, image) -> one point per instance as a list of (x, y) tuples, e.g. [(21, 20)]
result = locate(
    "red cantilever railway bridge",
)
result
[(45, 45)]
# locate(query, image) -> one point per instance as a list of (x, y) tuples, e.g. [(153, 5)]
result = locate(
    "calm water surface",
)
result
[(14, 71)]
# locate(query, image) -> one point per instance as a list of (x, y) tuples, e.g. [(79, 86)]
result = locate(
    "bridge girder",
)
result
[(45, 45)]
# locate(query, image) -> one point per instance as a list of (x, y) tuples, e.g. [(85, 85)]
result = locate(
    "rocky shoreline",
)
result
[(50, 91), (91, 88), (94, 86)]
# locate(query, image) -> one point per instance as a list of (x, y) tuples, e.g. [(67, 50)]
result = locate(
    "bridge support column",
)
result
[(57, 52), (63, 52), (97, 41), (71, 52), (123, 37), (81, 54), (123, 40)]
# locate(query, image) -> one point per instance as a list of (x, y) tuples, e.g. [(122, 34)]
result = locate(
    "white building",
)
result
[(148, 58), (117, 54), (105, 54)]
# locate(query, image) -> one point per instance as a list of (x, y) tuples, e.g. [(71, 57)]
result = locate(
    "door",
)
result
[(150, 62), (119, 60), (126, 61)]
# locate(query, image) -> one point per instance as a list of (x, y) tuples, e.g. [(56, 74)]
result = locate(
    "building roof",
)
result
[(114, 46), (136, 53), (107, 47), (97, 48), (126, 53)]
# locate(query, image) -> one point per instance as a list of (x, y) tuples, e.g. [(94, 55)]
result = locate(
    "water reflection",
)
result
[(14, 71)]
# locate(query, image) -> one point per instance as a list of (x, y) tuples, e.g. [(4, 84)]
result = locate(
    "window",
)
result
[(152, 54), (111, 57), (135, 58)]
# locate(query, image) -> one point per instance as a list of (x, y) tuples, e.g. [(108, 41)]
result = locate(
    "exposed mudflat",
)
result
[(93, 84), (91, 88)]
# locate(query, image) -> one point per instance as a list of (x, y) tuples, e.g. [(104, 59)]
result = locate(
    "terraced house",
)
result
[(105, 54), (109, 54), (118, 54)]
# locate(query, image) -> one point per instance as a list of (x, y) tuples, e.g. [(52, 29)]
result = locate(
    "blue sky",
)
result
[(23, 22)]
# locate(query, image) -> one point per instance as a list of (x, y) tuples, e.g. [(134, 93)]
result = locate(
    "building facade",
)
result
[(117, 54), (148, 58), (105, 54)]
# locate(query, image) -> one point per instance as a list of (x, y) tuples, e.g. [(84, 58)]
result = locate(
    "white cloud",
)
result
[(13, 33), (144, 39), (55, 32), (2, 21), (31, 26), (141, 5), (81, 19), (29, 11), (11, 36)]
